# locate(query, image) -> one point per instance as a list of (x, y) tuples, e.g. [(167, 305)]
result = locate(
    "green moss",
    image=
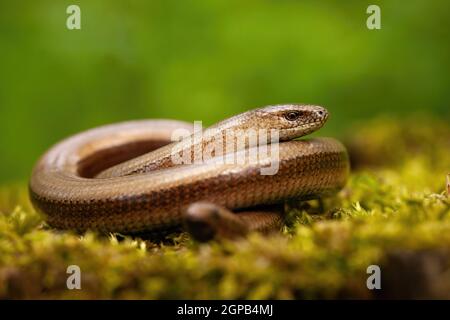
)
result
[(396, 214)]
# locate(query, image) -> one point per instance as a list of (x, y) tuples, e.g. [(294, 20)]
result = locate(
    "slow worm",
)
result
[(122, 177)]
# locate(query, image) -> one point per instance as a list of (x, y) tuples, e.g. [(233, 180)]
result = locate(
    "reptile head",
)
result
[(291, 120)]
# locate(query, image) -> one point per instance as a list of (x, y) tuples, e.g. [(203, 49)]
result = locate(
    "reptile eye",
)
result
[(292, 115)]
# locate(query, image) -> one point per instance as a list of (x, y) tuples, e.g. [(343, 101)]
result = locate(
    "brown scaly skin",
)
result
[(138, 196), (207, 221)]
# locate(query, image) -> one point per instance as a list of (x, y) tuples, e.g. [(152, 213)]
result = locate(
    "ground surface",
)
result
[(394, 212)]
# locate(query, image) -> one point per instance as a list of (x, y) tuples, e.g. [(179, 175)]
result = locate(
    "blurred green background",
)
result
[(206, 60)]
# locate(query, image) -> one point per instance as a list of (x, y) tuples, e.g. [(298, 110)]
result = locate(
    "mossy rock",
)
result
[(394, 213)]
